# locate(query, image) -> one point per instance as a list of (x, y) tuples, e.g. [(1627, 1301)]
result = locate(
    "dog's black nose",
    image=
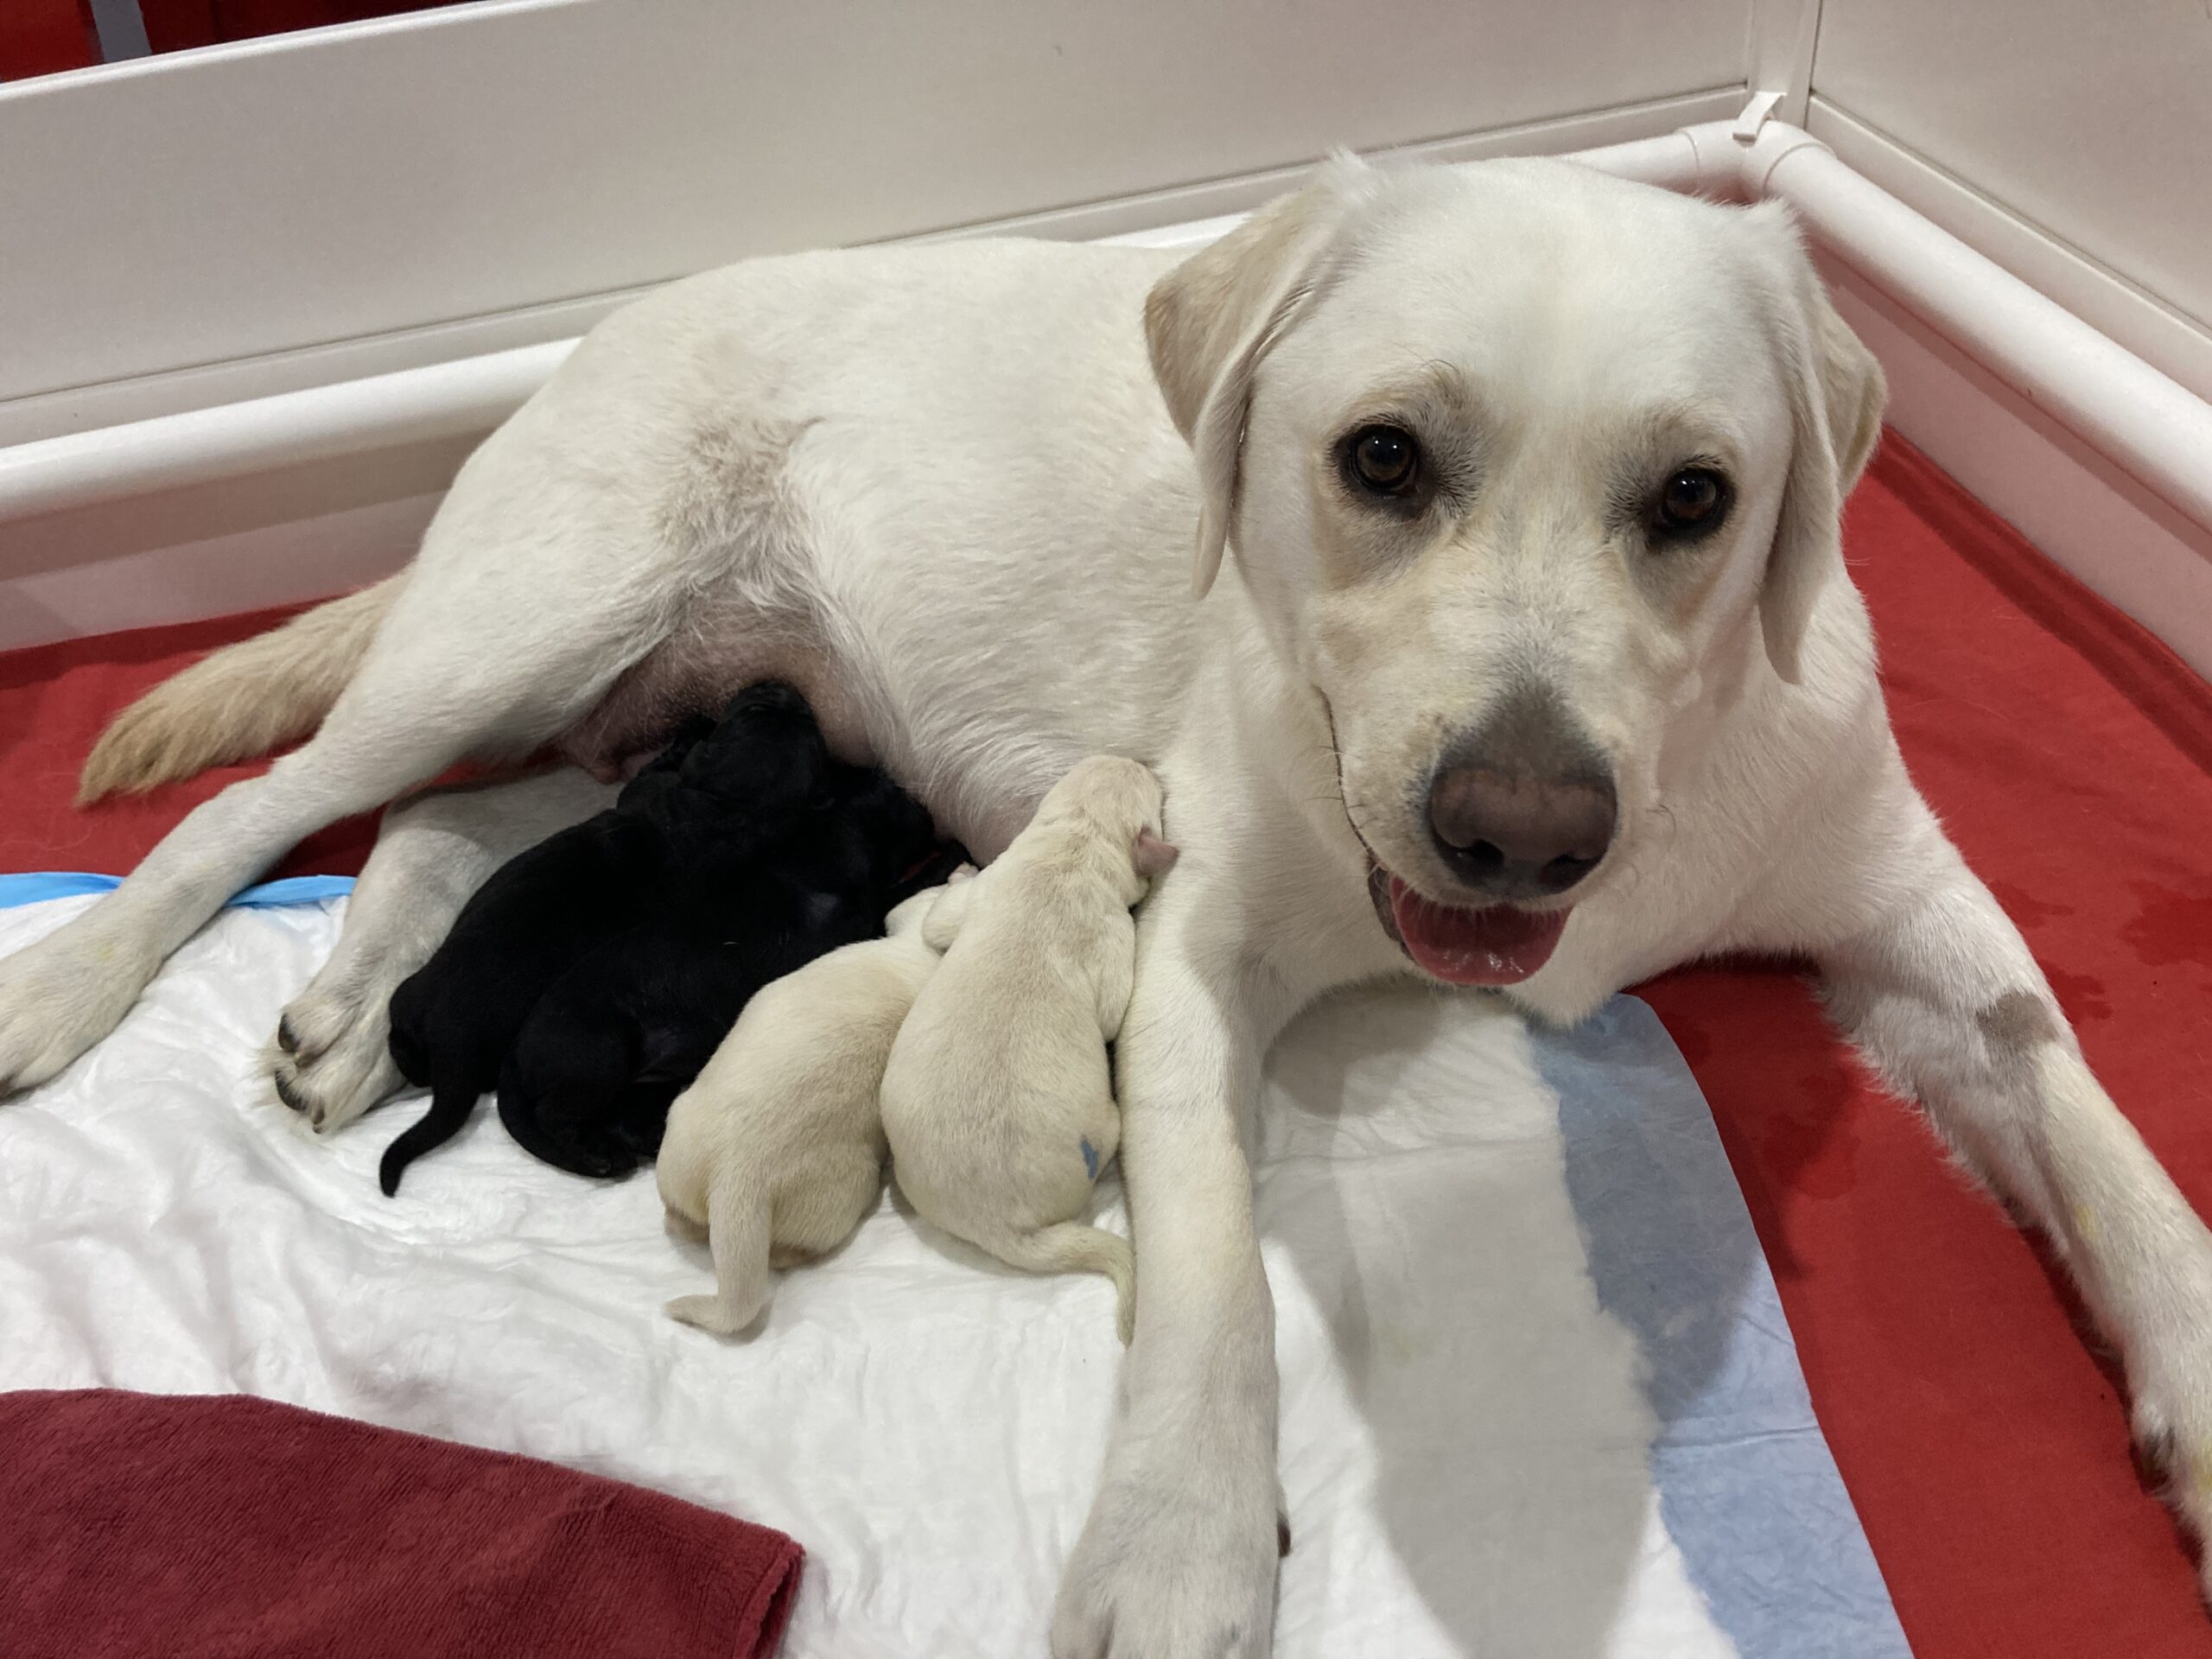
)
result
[(1523, 808)]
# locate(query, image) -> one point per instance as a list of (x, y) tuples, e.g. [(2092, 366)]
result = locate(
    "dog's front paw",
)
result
[(59, 997), (1178, 1561), (2172, 1417)]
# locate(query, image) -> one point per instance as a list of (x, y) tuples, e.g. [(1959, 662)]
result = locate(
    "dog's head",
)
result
[(910, 912), (1522, 467), (867, 836), (764, 758), (1117, 798)]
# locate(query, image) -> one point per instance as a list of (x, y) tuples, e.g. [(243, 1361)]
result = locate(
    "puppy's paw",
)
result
[(59, 996), (331, 1060), (1178, 1561)]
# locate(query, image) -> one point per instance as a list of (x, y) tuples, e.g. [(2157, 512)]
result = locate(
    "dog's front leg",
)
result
[(1943, 996), (1178, 1559)]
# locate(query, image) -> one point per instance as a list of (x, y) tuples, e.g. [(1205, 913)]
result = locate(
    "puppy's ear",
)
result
[(1210, 322), (1154, 857), (1836, 394)]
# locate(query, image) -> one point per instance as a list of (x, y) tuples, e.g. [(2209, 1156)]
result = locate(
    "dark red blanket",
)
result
[(226, 1527)]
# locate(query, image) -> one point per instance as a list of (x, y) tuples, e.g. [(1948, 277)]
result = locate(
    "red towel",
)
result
[(221, 1527)]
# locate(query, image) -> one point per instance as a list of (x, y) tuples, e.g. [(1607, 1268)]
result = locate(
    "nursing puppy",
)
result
[(777, 1151), (998, 1102), (728, 789), (620, 1035)]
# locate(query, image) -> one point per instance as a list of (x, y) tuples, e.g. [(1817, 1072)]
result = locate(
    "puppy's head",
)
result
[(909, 913), (1119, 799), (663, 772), (867, 834), (1526, 471), (765, 758)]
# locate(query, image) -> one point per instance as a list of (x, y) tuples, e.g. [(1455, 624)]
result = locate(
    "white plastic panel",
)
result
[(2093, 121), (279, 194), (2080, 511)]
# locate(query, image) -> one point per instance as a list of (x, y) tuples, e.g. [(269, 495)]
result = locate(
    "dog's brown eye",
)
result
[(1383, 460), (1692, 504)]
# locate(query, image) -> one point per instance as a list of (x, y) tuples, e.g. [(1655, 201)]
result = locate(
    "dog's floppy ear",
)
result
[(1836, 394), (1210, 322)]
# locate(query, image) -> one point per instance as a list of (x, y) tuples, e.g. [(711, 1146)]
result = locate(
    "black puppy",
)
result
[(625, 1030), (755, 774)]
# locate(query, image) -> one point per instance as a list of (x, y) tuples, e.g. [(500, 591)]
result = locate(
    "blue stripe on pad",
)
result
[(1748, 1490), (38, 887)]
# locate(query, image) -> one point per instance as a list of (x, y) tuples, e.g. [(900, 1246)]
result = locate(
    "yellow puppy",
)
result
[(778, 1149), (998, 1102)]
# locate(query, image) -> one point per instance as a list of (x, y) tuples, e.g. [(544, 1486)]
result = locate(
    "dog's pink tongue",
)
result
[(1500, 945)]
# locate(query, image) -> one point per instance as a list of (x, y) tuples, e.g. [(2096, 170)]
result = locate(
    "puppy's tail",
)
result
[(449, 1110), (740, 1231), (1071, 1247), (242, 700)]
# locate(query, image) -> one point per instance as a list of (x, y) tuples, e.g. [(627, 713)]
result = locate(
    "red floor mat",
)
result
[(55, 699), (2071, 756)]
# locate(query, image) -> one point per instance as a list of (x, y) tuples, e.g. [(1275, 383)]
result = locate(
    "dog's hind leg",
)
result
[(330, 1060), (1938, 989), (494, 651), (65, 993)]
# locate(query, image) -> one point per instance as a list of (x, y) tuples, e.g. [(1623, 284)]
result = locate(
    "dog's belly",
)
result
[(982, 707), (969, 549), (718, 650)]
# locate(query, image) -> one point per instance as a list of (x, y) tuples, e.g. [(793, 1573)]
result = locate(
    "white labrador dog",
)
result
[(776, 1149), (998, 1101), (1537, 665)]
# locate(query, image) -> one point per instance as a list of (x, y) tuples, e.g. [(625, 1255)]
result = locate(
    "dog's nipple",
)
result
[(1090, 1159)]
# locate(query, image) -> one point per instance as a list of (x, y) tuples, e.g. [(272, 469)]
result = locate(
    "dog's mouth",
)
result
[(1493, 944), (1496, 945)]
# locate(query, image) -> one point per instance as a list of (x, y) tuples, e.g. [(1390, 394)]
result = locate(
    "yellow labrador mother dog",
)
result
[(1536, 666)]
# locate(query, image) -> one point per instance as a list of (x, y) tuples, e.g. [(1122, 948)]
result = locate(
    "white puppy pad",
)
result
[(1539, 1398)]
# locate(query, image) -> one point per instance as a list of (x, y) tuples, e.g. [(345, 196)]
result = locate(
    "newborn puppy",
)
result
[(625, 1030), (777, 1151), (998, 1103), (453, 1021)]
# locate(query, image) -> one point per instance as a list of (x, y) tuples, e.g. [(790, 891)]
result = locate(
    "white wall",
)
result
[(2071, 143), (284, 195), (225, 224), (2070, 140)]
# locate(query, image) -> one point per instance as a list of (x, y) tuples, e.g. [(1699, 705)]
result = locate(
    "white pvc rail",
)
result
[(2157, 430), (470, 395)]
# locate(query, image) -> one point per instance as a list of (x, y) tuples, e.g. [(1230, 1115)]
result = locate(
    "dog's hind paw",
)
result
[(59, 996), (331, 1058)]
